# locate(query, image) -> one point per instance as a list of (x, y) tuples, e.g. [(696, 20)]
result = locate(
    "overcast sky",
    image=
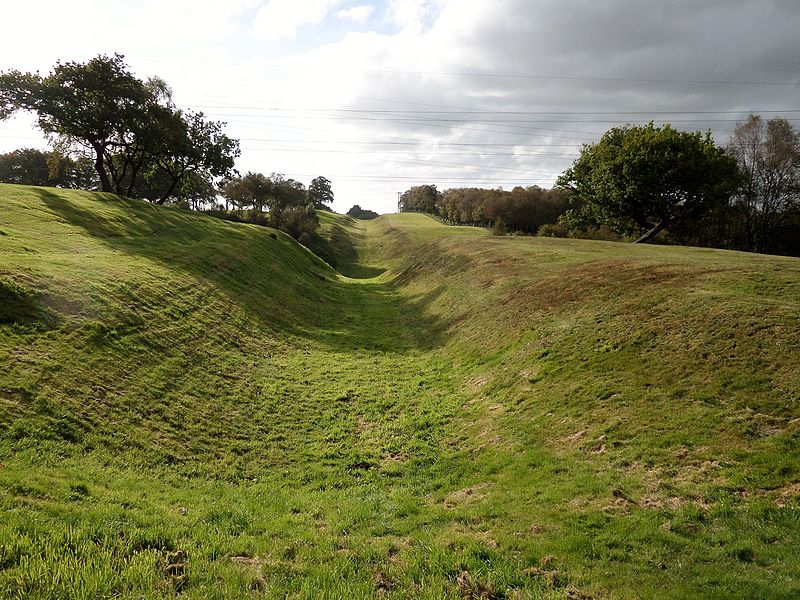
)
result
[(379, 96)]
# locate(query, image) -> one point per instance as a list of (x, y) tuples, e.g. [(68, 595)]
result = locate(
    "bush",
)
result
[(558, 230), (257, 217), (239, 216), (306, 239), (603, 233), (499, 227), (296, 221), (360, 213)]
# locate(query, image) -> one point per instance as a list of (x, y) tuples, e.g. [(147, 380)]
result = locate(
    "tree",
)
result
[(286, 199), (130, 126), (286, 194), (29, 166), (362, 213), (90, 104), (768, 154), (189, 144), (254, 190), (299, 222), (421, 198), (641, 179), (320, 192)]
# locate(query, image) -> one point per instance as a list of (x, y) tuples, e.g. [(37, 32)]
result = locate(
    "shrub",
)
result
[(499, 227), (558, 230), (297, 221)]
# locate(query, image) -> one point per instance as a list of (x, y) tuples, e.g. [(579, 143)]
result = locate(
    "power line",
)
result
[(388, 178), (504, 112), (476, 154), (485, 75), (421, 120), (410, 143)]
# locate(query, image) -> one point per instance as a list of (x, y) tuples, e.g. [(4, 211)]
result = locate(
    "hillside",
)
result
[(190, 406)]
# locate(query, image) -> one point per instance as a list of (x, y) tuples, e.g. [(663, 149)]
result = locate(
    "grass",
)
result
[(200, 408)]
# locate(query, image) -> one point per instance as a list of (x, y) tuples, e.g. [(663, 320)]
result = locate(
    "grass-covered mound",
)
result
[(189, 406)]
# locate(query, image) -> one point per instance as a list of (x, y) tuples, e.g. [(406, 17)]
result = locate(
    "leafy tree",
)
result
[(33, 167), (642, 179), (499, 227), (320, 192), (196, 189), (286, 194), (90, 104), (299, 222), (130, 126), (286, 199), (421, 198), (191, 145), (254, 190)]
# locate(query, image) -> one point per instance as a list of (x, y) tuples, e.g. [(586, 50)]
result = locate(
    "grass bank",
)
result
[(201, 408)]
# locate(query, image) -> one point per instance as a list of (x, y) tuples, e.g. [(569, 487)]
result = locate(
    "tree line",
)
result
[(276, 201), (140, 143), (29, 166), (114, 132), (523, 210), (117, 133), (648, 183)]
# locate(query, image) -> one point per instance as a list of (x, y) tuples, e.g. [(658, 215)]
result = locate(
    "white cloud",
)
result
[(414, 15), (359, 14), (280, 19)]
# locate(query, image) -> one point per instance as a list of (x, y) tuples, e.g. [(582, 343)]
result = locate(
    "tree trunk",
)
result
[(171, 189), (134, 173), (653, 232), (99, 166)]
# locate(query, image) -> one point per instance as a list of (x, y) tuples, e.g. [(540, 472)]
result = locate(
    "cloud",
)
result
[(359, 13), (452, 92), (280, 19), (414, 16), (478, 92)]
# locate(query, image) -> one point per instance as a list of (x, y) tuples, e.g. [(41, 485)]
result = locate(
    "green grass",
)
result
[(200, 408)]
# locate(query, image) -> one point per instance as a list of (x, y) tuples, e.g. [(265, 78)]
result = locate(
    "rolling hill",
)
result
[(195, 407)]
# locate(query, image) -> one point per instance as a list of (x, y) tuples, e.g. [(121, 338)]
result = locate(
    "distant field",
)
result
[(191, 407)]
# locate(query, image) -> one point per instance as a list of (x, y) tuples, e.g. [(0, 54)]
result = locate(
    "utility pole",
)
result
[(398, 202)]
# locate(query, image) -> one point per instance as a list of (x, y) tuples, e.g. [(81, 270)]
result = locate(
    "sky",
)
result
[(379, 96)]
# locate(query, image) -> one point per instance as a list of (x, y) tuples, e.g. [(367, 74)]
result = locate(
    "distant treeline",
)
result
[(523, 210), (29, 166), (648, 183)]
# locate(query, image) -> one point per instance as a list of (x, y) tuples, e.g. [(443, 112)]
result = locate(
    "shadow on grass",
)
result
[(269, 277)]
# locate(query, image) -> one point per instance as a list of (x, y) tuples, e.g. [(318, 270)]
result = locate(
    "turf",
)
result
[(190, 407)]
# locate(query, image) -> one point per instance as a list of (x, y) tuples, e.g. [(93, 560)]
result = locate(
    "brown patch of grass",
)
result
[(477, 382), (599, 278), (248, 561), (251, 567), (473, 493), (472, 589), (383, 582), (575, 437)]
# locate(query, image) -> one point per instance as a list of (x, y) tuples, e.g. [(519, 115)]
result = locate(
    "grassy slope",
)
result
[(546, 415), (638, 404)]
